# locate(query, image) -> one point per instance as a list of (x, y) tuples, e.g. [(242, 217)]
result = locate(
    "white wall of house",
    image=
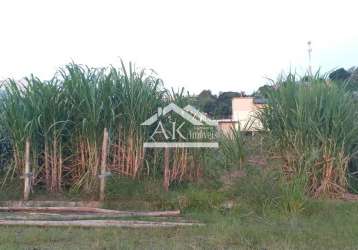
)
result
[(244, 110)]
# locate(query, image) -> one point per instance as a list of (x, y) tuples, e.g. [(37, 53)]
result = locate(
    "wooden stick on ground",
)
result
[(50, 203), (90, 210), (60, 216), (98, 223)]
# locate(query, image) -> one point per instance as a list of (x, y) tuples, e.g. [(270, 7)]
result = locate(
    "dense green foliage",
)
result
[(312, 124), (218, 107), (64, 119), (347, 78)]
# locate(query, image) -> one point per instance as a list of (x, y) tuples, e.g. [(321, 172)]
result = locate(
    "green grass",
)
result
[(257, 220), (262, 216), (329, 225), (148, 194)]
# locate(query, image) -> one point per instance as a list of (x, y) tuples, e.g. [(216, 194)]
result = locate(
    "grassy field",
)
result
[(326, 225), (257, 218)]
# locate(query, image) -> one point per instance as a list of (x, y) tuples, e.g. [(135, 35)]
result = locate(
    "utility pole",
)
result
[(309, 44)]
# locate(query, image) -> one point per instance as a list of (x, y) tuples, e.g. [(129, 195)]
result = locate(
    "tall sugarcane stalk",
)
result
[(313, 124), (65, 116)]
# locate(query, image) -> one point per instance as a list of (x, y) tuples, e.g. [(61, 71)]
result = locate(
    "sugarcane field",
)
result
[(181, 125)]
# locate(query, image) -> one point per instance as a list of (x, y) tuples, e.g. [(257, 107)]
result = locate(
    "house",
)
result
[(244, 114), (245, 111), (226, 125)]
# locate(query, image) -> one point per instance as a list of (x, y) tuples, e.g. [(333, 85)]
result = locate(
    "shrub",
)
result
[(265, 190), (312, 124), (232, 148)]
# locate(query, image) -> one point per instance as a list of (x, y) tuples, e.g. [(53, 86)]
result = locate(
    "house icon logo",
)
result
[(189, 129)]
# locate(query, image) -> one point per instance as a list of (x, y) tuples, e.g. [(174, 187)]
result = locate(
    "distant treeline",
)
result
[(219, 106)]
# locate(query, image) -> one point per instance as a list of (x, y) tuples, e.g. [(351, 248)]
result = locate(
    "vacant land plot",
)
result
[(326, 225)]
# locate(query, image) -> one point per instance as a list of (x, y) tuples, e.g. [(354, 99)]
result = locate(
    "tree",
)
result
[(206, 101), (339, 75), (263, 91), (224, 104), (216, 107), (347, 77)]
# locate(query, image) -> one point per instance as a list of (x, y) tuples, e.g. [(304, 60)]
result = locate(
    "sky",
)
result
[(219, 45)]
